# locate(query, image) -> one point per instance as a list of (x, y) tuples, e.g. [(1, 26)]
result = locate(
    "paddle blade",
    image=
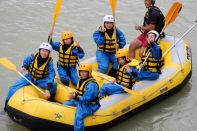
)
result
[(56, 12), (172, 13), (113, 6), (8, 64)]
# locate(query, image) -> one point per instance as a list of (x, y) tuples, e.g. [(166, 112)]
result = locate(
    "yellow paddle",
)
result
[(56, 14), (125, 89), (170, 17), (113, 7), (172, 14), (10, 66)]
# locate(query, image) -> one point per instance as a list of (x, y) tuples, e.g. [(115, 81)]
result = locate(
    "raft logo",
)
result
[(58, 116), (126, 109), (188, 50), (163, 90)]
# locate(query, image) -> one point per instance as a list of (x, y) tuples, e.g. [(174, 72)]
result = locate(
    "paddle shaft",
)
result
[(55, 16), (31, 83), (9, 65), (115, 29), (113, 7), (180, 39), (144, 62), (113, 83), (125, 89), (148, 55)]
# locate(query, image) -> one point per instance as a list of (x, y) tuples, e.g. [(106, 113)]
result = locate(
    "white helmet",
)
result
[(108, 18), (46, 46), (155, 33)]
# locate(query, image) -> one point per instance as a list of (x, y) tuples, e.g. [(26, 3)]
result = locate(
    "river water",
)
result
[(25, 24)]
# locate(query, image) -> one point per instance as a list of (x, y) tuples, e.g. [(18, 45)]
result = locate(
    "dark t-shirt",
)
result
[(156, 17)]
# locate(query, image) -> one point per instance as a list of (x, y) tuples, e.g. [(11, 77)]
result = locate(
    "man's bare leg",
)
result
[(133, 46), (142, 51)]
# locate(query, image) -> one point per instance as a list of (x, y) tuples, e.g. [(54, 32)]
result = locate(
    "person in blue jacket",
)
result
[(86, 98), (126, 74), (40, 71), (151, 68), (69, 54), (108, 41)]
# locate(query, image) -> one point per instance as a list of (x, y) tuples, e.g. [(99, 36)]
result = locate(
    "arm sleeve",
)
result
[(55, 45), (51, 71), (156, 51), (133, 73), (90, 94), (27, 61), (78, 51), (121, 38), (99, 37)]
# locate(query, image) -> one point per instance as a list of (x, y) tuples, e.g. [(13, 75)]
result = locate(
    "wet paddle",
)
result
[(165, 53), (113, 7), (10, 66), (172, 14), (170, 17), (55, 15)]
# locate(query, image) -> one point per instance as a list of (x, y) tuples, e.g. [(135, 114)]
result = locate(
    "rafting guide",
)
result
[(153, 20)]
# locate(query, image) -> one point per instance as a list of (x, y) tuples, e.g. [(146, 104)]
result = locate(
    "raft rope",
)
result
[(144, 98), (28, 100), (117, 112), (25, 100)]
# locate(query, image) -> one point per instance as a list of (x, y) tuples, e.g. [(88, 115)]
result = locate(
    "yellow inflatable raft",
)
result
[(28, 107)]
